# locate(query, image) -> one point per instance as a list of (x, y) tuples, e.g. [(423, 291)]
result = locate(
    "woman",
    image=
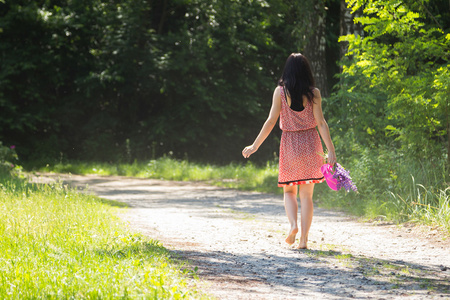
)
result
[(299, 105)]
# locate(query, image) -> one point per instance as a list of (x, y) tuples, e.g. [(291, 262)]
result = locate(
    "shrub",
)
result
[(8, 159)]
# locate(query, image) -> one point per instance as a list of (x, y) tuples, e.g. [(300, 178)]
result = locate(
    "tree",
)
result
[(118, 80), (315, 43), (399, 71)]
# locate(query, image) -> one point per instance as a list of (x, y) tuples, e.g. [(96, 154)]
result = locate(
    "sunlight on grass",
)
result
[(240, 176), (425, 206), (57, 243), (385, 197)]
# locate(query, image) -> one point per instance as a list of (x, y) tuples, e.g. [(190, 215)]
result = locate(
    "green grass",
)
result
[(241, 176), (60, 244), (387, 189), (396, 188)]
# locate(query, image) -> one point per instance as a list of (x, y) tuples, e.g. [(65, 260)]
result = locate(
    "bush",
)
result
[(392, 186), (8, 159)]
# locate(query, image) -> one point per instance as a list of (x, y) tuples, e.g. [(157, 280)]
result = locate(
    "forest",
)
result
[(174, 90), (124, 80), (136, 80)]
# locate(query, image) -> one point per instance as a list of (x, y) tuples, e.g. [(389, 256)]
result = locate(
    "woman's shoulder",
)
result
[(278, 90)]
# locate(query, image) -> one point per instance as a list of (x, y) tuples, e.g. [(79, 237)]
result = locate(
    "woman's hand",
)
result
[(249, 150), (331, 159)]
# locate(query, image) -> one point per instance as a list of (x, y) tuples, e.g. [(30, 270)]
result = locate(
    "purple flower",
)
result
[(12, 147), (343, 179)]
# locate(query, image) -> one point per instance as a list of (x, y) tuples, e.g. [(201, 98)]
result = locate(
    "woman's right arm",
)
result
[(268, 125)]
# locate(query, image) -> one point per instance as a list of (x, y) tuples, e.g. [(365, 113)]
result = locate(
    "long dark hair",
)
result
[(297, 78)]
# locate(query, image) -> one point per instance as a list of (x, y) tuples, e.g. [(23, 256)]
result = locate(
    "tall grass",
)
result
[(424, 206), (241, 176), (60, 244), (395, 187), (391, 186)]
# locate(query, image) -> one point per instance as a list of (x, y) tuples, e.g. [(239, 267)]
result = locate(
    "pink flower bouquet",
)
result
[(338, 179)]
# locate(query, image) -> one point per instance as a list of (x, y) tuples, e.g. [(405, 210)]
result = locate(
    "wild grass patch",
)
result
[(394, 188), (60, 244), (240, 176), (391, 187)]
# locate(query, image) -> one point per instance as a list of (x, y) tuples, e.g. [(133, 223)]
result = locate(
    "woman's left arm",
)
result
[(322, 125)]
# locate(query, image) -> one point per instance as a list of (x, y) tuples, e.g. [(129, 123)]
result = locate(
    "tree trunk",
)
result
[(163, 18), (315, 42), (348, 25)]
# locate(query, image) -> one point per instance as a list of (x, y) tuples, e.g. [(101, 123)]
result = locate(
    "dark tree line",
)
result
[(110, 80), (135, 79)]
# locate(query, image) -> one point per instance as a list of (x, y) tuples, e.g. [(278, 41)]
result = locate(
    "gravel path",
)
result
[(236, 240)]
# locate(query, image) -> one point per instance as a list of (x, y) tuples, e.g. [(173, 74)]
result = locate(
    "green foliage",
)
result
[(119, 80), (226, 88), (246, 177), (57, 243), (386, 187), (395, 81), (392, 187), (8, 159), (390, 112)]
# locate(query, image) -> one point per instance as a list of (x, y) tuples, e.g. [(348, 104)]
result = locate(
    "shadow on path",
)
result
[(329, 272)]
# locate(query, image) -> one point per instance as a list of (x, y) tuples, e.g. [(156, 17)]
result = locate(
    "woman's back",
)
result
[(297, 105), (291, 120)]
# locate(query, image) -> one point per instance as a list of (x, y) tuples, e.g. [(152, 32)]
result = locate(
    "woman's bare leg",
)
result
[(306, 192), (291, 207)]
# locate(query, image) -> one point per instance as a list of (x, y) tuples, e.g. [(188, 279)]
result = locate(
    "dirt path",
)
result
[(236, 239)]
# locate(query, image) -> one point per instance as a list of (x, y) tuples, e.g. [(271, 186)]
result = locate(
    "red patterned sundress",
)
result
[(300, 147)]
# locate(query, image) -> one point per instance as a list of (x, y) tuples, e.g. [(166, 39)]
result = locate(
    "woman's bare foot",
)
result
[(302, 244), (291, 237)]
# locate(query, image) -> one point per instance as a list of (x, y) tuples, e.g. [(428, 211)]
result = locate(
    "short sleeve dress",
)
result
[(300, 148)]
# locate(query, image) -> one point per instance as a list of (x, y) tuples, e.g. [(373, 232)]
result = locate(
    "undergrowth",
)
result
[(391, 187), (240, 176), (394, 187)]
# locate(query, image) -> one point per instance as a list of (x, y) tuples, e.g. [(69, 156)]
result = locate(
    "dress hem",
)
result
[(298, 182)]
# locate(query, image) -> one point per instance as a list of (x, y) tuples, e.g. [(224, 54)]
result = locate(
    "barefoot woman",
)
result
[(298, 104)]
